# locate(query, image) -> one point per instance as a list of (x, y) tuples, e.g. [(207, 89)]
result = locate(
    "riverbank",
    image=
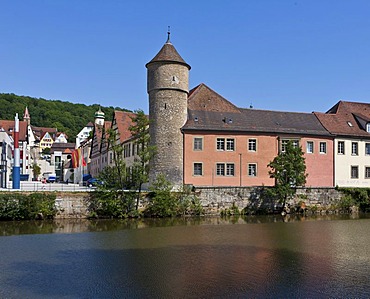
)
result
[(222, 200)]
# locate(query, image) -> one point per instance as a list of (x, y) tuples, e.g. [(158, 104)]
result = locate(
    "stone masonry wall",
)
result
[(71, 205), (215, 199)]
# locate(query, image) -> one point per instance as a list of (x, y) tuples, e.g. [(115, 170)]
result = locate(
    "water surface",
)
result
[(322, 257)]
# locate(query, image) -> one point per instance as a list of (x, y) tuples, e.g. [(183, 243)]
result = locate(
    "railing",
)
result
[(39, 187)]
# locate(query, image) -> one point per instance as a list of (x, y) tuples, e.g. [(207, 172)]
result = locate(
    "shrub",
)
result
[(17, 206)]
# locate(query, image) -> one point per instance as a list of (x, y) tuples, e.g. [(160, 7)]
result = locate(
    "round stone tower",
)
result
[(168, 88)]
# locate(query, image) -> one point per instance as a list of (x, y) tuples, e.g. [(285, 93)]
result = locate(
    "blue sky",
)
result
[(274, 54)]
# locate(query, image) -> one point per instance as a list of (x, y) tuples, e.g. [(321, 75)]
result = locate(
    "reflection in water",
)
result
[(254, 257)]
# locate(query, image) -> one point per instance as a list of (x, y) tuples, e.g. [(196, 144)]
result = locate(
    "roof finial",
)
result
[(168, 35)]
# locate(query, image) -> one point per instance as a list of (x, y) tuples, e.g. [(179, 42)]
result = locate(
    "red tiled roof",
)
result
[(203, 98), (8, 126), (346, 118), (124, 121)]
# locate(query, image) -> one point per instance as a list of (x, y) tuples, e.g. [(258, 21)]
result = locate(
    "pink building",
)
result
[(229, 146)]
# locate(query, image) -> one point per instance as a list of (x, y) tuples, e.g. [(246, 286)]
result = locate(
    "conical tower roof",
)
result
[(168, 53)]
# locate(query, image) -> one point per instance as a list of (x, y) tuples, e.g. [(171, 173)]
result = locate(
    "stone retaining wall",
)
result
[(216, 199), (71, 205)]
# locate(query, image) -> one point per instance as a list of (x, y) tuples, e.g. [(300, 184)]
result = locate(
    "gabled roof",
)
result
[(124, 122), (203, 98), (62, 147), (209, 111), (346, 119), (45, 134), (40, 131), (8, 126)]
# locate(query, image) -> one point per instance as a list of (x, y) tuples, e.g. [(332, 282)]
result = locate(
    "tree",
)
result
[(114, 177), (36, 170), (140, 169), (289, 171)]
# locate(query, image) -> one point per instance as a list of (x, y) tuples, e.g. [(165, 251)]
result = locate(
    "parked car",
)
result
[(49, 177), (93, 182)]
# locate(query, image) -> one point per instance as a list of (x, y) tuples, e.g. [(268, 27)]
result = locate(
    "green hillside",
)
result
[(67, 117)]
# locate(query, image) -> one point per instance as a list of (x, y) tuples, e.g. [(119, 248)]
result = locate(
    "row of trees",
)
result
[(65, 116)]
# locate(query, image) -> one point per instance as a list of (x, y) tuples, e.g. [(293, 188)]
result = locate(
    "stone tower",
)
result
[(168, 88)]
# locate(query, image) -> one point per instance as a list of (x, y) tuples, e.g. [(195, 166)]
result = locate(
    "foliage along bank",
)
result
[(20, 206)]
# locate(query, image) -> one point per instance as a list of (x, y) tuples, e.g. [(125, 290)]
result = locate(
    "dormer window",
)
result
[(368, 127)]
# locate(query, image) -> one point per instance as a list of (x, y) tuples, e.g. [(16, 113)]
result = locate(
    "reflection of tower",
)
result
[(168, 87), (99, 117)]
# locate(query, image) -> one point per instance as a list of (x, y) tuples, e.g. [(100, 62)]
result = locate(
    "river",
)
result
[(252, 257)]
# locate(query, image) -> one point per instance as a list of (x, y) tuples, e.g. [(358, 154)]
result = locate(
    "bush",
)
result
[(17, 206), (113, 204), (359, 197), (165, 203)]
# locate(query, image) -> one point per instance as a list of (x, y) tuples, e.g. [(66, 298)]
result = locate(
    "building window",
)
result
[(322, 147), (252, 145), (220, 169), (230, 169), (220, 144), (284, 142), (229, 142), (367, 172), (198, 143), (252, 169), (223, 169), (310, 147), (198, 169), (354, 148), (341, 147), (354, 172), (368, 127), (367, 148)]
